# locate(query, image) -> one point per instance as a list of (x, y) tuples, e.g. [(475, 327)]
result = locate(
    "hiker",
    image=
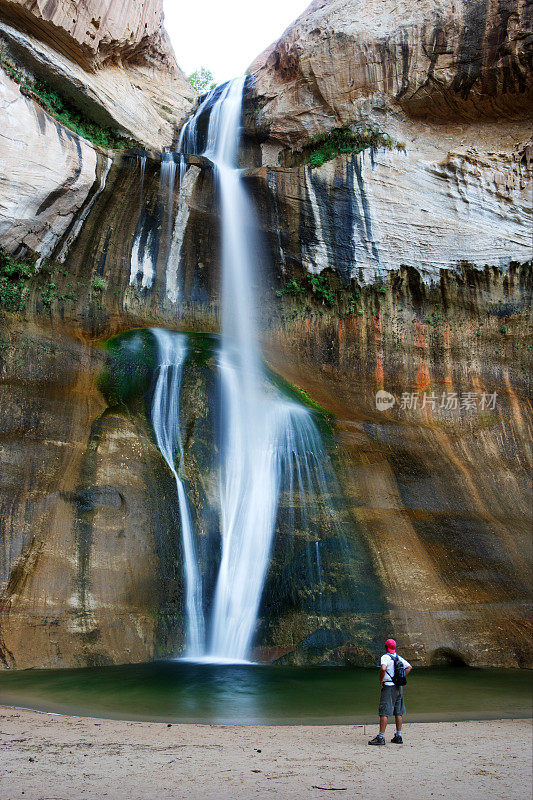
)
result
[(392, 676)]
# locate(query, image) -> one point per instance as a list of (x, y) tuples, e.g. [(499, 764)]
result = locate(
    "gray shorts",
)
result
[(391, 701)]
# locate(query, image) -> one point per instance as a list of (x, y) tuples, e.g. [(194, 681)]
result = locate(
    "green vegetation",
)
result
[(320, 287), (317, 284), (346, 139), (297, 393), (99, 284), (49, 294), (14, 274), (329, 293), (352, 303), (62, 110), (202, 80), (292, 287)]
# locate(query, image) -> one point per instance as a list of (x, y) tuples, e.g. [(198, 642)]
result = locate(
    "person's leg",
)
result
[(399, 711), (385, 710)]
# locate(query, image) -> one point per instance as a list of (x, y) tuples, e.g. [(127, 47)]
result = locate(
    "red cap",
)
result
[(390, 644)]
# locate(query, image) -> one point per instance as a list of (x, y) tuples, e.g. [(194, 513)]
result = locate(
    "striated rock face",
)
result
[(114, 62), (433, 58), (452, 83), (85, 538), (441, 491), (91, 33), (365, 215), (48, 175)]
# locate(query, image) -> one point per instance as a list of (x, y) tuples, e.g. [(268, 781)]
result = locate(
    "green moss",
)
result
[(63, 110), (203, 346), (297, 393), (346, 139), (129, 367)]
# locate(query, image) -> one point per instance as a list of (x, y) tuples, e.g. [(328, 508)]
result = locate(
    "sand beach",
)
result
[(49, 757)]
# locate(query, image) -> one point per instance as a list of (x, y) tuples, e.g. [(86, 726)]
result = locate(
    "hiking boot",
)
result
[(377, 740), (397, 739)]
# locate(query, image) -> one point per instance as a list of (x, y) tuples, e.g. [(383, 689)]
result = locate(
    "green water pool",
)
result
[(174, 691)]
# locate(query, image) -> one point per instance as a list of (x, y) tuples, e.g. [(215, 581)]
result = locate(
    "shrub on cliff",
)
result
[(61, 109), (346, 139), (13, 276)]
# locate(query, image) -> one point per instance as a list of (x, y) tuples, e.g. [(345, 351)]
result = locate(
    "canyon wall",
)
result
[(450, 84), (430, 59), (396, 270), (112, 61), (439, 223)]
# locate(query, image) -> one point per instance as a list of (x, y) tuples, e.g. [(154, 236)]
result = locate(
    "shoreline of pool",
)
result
[(60, 756)]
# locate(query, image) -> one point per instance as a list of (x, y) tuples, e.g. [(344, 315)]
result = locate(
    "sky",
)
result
[(226, 35)]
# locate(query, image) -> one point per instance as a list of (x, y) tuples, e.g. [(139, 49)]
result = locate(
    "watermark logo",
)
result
[(384, 400), (438, 402)]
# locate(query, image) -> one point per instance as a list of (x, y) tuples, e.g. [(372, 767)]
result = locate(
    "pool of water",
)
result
[(174, 691)]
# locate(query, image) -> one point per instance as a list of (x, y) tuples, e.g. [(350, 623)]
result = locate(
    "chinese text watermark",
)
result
[(438, 401)]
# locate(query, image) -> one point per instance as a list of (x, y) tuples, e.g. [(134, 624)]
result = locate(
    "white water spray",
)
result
[(167, 181), (268, 443), (141, 263), (171, 355)]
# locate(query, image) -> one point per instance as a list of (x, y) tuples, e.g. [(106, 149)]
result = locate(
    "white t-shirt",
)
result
[(388, 662)]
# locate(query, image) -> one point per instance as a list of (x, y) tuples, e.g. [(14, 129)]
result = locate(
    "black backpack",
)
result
[(399, 678)]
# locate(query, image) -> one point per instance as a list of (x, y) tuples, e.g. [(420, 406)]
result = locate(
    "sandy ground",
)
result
[(46, 757)]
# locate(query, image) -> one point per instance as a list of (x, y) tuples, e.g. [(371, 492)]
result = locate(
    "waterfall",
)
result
[(141, 261), (187, 144), (262, 432), (319, 252), (165, 413), (252, 425), (268, 445), (167, 181), (188, 178)]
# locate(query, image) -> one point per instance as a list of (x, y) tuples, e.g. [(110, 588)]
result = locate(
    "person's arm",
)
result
[(382, 673), (407, 666)]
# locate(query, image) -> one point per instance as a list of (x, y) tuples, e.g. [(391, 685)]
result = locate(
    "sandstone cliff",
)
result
[(452, 84), (48, 174), (433, 58), (113, 61), (383, 270)]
